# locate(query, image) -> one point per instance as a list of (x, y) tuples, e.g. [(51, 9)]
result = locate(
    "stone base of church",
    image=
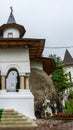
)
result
[(22, 101)]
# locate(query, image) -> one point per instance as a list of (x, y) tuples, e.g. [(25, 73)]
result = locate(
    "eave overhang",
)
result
[(48, 65), (69, 64), (35, 46)]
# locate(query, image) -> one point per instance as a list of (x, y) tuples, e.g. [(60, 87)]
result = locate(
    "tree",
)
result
[(59, 78)]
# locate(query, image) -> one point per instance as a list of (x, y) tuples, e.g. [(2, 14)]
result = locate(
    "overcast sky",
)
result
[(48, 19)]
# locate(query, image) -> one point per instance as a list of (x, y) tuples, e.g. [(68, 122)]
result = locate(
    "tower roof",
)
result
[(11, 18), (12, 23), (68, 58)]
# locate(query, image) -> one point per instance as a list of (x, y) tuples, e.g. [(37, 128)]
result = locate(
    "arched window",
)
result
[(12, 81)]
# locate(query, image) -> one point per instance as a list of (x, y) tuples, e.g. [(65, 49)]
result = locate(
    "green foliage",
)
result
[(57, 59), (1, 111), (69, 107), (59, 78), (71, 95)]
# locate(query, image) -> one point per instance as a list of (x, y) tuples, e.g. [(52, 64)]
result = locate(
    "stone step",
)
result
[(18, 126), (10, 113), (16, 123), (11, 118), (10, 110)]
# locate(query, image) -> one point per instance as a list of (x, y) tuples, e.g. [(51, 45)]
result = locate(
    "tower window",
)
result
[(10, 35)]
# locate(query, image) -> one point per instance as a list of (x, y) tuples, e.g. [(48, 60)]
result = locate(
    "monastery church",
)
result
[(18, 55)]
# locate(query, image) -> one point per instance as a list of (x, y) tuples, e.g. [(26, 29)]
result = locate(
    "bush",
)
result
[(69, 107), (1, 111), (71, 95)]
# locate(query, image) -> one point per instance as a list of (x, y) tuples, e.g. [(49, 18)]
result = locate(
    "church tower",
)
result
[(18, 56), (11, 29)]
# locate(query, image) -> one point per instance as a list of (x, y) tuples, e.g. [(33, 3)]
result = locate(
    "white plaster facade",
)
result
[(14, 31), (22, 101), (15, 68), (36, 65), (14, 58)]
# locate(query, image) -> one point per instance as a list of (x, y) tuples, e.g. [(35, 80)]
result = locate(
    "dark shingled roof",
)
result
[(11, 19), (67, 58)]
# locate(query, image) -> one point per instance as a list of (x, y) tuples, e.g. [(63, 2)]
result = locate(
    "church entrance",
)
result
[(12, 82)]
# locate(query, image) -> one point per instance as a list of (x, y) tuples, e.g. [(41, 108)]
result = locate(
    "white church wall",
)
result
[(36, 65), (23, 102), (14, 58), (16, 33)]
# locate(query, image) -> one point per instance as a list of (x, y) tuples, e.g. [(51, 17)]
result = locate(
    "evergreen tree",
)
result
[(59, 78)]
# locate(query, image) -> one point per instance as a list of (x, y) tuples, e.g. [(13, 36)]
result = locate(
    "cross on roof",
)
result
[(11, 18), (11, 9)]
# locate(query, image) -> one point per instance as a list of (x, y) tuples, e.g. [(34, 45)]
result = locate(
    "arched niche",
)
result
[(12, 80)]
